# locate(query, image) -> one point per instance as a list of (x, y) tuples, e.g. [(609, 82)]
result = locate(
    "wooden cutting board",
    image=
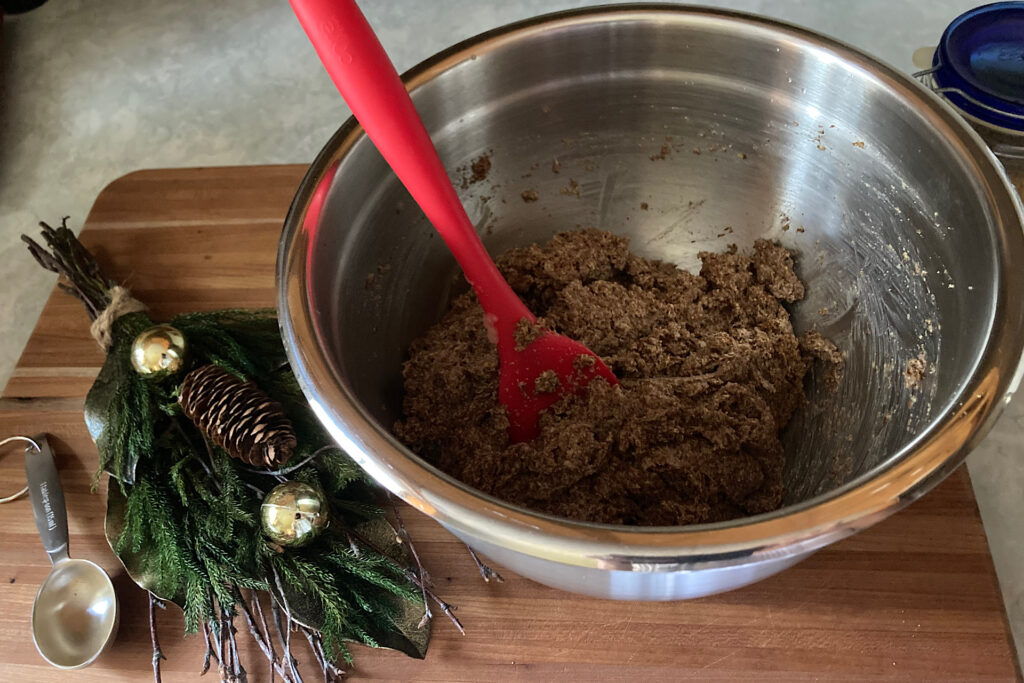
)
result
[(912, 598)]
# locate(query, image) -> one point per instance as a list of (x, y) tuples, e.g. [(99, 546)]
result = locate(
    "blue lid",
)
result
[(979, 64)]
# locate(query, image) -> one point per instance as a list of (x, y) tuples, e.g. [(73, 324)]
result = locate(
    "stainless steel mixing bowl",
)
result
[(683, 129)]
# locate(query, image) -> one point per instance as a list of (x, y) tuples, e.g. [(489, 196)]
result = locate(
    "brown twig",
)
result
[(353, 546), (73, 262), (288, 622), (215, 644), (316, 653), (447, 608), (225, 646), (157, 653), (238, 674), (265, 645), (274, 663), (403, 537), (485, 572), (275, 619), (291, 468), (335, 670), (208, 637), (331, 672)]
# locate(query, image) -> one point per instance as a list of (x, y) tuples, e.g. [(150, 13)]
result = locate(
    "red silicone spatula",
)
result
[(360, 68)]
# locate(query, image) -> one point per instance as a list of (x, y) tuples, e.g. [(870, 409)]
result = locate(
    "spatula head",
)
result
[(538, 374)]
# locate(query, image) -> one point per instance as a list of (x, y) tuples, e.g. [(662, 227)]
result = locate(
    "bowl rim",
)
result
[(795, 529)]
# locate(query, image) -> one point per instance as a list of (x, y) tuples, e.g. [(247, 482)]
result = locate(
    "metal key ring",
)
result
[(34, 445)]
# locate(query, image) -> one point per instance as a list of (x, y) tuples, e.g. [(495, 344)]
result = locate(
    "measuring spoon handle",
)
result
[(47, 497)]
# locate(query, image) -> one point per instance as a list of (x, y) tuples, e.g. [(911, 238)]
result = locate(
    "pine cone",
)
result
[(237, 416)]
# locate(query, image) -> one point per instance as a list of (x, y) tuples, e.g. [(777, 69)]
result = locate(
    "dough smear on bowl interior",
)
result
[(710, 370)]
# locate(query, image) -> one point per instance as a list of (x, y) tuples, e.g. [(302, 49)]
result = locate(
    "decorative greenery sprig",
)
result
[(183, 516)]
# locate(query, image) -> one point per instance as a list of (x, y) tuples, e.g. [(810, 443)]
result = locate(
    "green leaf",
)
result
[(407, 637), (97, 401)]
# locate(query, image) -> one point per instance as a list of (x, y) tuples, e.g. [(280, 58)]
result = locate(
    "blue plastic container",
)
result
[(979, 65)]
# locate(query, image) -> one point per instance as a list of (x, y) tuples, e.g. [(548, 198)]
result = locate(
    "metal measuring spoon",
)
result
[(74, 616)]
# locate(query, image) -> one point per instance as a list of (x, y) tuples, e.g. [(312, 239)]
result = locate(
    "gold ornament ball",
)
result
[(159, 351), (293, 514)]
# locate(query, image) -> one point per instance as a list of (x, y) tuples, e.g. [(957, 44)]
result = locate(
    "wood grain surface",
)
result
[(912, 598)]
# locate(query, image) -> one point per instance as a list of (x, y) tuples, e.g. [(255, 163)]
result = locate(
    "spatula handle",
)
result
[(360, 68)]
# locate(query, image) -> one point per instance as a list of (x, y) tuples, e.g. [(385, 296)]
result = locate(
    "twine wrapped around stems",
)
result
[(121, 303)]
